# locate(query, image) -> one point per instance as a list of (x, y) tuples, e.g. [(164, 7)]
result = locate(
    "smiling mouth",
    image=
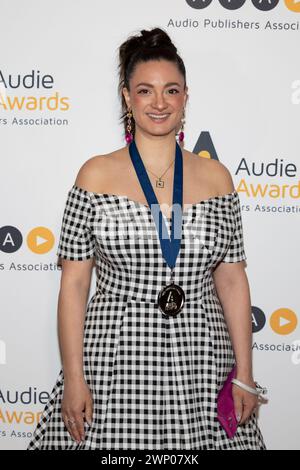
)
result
[(158, 117)]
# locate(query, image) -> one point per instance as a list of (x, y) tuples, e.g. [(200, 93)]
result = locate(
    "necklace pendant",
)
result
[(160, 183)]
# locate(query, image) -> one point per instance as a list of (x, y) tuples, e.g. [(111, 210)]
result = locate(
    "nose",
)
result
[(159, 101)]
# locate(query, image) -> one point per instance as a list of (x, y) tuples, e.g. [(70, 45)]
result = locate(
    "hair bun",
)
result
[(156, 38)]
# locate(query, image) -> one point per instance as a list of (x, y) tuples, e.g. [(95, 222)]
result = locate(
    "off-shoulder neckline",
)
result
[(138, 203)]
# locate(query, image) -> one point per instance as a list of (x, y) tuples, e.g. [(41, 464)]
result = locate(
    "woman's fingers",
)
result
[(77, 406), (75, 426), (89, 412), (238, 407), (244, 403), (71, 426), (247, 410)]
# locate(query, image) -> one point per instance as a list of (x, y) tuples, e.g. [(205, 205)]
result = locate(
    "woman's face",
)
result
[(156, 87)]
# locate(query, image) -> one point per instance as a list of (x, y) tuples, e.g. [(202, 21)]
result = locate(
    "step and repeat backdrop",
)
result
[(59, 107)]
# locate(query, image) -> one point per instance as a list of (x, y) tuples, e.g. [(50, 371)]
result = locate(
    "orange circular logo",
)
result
[(40, 240), (283, 321)]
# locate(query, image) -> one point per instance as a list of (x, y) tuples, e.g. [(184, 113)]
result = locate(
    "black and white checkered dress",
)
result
[(154, 379)]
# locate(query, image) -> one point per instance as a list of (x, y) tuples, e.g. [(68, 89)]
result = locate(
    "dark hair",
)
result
[(155, 44)]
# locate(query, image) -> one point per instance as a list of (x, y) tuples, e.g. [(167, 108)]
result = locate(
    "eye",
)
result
[(145, 90)]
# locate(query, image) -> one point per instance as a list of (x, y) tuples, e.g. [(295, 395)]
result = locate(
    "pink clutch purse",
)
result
[(225, 406)]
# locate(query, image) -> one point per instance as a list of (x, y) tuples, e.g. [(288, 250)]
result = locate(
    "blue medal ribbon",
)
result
[(170, 248)]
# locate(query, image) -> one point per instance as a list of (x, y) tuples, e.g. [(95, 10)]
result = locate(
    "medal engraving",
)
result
[(171, 299)]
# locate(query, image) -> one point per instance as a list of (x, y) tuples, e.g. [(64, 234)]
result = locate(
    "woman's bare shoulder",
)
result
[(96, 171), (214, 171)]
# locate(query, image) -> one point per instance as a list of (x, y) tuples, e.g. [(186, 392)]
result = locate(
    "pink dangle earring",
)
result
[(128, 135), (181, 133)]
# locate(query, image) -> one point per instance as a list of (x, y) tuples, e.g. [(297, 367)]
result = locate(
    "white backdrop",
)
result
[(244, 87)]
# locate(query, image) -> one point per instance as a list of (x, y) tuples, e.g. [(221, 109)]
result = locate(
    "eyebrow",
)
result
[(151, 86)]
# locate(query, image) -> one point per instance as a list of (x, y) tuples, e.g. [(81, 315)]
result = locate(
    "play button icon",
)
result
[(284, 321), (40, 240)]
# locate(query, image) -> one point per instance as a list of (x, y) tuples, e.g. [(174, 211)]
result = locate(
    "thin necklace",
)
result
[(159, 181)]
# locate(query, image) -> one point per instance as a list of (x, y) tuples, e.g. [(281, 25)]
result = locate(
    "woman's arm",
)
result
[(234, 294), (232, 287), (72, 300), (77, 401)]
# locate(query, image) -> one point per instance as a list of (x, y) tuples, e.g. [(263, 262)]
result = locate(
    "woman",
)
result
[(143, 364)]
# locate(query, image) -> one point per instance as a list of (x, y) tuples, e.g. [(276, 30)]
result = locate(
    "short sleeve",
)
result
[(76, 240), (236, 251)]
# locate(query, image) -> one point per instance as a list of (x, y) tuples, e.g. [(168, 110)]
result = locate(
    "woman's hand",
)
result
[(77, 404), (245, 402)]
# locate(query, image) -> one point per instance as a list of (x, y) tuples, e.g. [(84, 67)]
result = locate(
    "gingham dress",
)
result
[(154, 379)]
